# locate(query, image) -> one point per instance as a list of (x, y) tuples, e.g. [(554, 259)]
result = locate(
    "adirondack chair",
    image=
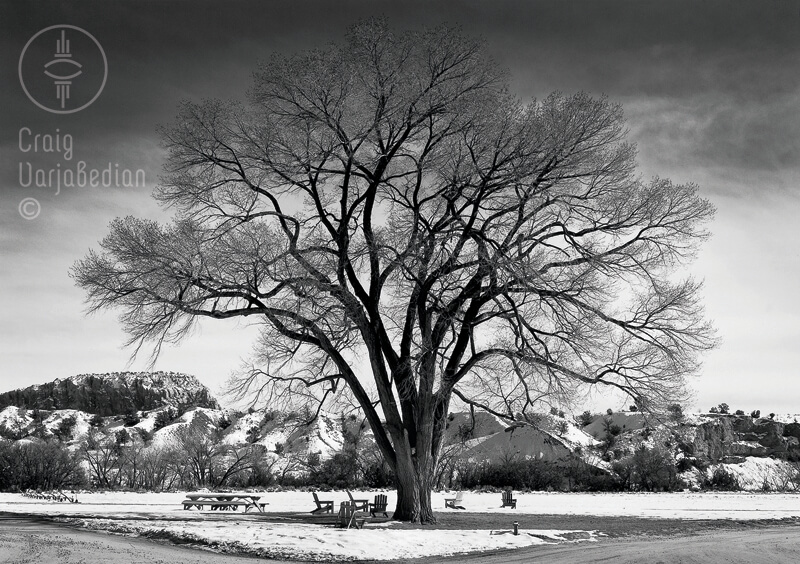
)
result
[(348, 517), (322, 506), (455, 502), (359, 504), (509, 501), (379, 506)]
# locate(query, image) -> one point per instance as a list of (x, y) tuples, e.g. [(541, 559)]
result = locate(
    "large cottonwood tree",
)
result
[(407, 231)]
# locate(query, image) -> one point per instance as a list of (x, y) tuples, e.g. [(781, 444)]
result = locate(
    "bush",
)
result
[(9, 434), (675, 411), (252, 434), (163, 418), (723, 480), (723, 408), (739, 412), (131, 418), (585, 419), (65, 428), (713, 410), (648, 470), (39, 466), (755, 414), (339, 471), (684, 464), (531, 474)]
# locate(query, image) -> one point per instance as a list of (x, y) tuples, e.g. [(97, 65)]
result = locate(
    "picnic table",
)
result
[(224, 501)]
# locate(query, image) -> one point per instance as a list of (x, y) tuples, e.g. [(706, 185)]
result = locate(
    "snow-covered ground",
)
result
[(162, 514)]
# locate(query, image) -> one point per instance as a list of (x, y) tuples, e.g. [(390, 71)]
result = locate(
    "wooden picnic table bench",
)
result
[(224, 501)]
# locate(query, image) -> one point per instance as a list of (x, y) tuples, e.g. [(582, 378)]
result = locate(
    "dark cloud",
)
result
[(710, 89)]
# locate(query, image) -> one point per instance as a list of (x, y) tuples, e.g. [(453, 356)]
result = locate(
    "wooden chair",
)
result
[(379, 506), (348, 516), (322, 506), (455, 502), (359, 504), (509, 501)]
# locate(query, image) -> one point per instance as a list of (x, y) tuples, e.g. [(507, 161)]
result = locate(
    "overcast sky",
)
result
[(711, 92)]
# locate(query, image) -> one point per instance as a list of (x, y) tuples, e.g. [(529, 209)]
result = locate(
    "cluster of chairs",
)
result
[(508, 500), (51, 496), (348, 515)]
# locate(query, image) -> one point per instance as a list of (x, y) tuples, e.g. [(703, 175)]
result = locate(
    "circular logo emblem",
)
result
[(63, 69)]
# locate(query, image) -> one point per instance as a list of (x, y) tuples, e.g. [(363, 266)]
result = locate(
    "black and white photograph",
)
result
[(408, 281)]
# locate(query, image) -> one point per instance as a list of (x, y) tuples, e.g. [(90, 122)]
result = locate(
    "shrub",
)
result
[(713, 410), (121, 437), (96, 421), (252, 434), (336, 472), (313, 459), (39, 466), (675, 411), (64, 429), (10, 434), (633, 408), (739, 412), (163, 418), (723, 408), (585, 419), (652, 470), (755, 414), (513, 473), (131, 418), (723, 480), (609, 411), (684, 464)]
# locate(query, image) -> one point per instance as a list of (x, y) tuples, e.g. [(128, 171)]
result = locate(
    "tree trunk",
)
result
[(414, 482)]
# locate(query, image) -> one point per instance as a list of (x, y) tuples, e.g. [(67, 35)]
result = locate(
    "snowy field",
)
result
[(162, 515)]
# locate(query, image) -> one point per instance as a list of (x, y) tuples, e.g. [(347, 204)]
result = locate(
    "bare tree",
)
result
[(199, 450), (103, 455), (155, 472), (407, 232)]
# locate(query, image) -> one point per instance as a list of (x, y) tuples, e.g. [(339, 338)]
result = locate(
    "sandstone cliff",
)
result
[(114, 393)]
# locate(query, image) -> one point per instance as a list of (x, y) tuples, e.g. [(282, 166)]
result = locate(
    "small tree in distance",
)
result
[(387, 199)]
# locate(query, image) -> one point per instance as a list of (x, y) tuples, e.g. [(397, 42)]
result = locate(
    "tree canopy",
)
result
[(405, 230)]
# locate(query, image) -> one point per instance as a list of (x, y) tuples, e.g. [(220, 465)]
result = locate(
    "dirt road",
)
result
[(779, 545)]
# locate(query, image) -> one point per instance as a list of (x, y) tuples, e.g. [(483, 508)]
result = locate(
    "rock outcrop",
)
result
[(115, 393), (728, 438)]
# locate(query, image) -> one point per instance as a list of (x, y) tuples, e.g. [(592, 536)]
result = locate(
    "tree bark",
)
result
[(414, 476)]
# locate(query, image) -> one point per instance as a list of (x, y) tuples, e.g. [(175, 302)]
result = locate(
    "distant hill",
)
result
[(114, 393), (151, 409)]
